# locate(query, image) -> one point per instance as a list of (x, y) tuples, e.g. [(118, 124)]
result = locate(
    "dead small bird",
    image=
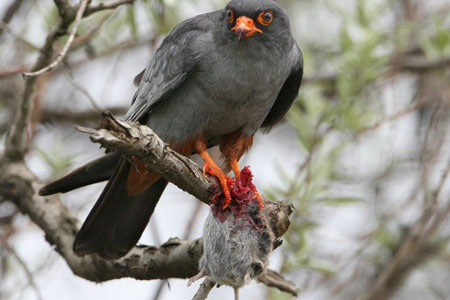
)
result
[(238, 240)]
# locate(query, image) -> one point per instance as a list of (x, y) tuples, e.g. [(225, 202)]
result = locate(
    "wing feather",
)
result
[(174, 60), (288, 92)]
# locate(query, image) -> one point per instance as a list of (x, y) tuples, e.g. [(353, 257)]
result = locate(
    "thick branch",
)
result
[(174, 259), (136, 140)]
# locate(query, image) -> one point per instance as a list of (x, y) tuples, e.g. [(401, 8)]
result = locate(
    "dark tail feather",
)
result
[(95, 171), (117, 220)]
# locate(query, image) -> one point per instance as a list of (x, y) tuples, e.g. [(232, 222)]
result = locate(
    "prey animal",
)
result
[(237, 241), (214, 81)]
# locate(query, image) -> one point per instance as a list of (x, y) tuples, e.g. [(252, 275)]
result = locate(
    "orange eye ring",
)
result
[(265, 17), (230, 14)]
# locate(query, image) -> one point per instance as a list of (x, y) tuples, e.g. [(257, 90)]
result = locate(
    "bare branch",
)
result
[(140, 141), (25, 269), (402, 113), (414, 250), (81, 89), (104, 6), (12, 9), (274, 279), (174, 259), (66, 47), (18, 35), (16, 144), (204, 289)]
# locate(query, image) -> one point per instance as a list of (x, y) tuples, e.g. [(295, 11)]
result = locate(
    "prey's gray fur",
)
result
[(236, 250)]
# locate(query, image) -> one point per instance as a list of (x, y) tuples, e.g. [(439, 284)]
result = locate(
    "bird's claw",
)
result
[(224, 181)]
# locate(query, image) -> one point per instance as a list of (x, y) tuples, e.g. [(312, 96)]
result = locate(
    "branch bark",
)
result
[(136, 140), (175, 258)]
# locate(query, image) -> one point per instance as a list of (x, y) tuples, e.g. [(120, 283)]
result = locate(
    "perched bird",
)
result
[(236, 241), (215, 80)]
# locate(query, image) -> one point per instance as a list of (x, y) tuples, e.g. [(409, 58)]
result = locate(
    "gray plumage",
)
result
[(204, 80), (210, 82)]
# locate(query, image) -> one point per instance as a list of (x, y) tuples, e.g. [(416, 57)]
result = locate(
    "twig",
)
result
[(274, 279), (4, 26), (159, 290), (10, 12), (413, 249), (66, 47), (85, 38), (25, 269), (104, 6), (16, 143), (204, 289), (12, 72), (395, 116), (81, 89), (66, 116)]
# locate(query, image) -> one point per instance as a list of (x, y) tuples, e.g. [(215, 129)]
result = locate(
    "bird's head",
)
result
[(257, 19)]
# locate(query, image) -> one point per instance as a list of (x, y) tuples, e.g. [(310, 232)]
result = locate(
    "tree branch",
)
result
[(16, 144), (136, 140), (174, 259), (104, 6), (274, 279), (62, 54), (12, 9), (203, 292)]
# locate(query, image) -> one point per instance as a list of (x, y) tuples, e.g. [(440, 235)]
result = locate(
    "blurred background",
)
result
[(364, 154)]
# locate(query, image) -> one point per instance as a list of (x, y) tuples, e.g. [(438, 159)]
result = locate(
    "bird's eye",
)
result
[(266, 17), (230, 14)]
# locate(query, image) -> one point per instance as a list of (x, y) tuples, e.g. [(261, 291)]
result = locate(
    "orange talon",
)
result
[(213, 169), (235, 167)]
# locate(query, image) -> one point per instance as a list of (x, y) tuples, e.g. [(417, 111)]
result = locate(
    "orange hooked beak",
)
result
[(245, 27)]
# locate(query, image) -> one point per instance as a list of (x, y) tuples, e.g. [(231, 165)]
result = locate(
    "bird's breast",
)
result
[(240, 90)]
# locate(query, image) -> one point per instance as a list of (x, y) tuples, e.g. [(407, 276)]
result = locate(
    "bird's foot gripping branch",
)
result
[(135, 140), (243, 193)]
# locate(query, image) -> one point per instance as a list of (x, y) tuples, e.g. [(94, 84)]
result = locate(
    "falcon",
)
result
[(214, 81)]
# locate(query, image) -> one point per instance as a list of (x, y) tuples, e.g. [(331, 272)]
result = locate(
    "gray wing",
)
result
[(288, 92), (172, 63)]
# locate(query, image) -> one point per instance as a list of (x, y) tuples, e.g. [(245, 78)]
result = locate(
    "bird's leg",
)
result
[(235, 167), (212, 168), (233, 146)]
